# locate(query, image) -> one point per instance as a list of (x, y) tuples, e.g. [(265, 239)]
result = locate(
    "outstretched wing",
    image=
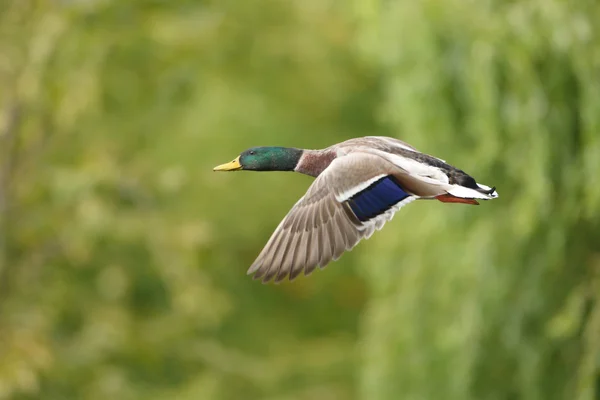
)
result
[(351, 199)]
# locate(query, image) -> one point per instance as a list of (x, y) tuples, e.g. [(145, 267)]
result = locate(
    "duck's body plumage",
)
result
[(360, 184)]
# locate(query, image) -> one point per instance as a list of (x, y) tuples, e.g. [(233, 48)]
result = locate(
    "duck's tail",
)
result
[(462, 194)]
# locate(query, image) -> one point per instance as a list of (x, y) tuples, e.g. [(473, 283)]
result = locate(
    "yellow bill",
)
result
[(230, 166)]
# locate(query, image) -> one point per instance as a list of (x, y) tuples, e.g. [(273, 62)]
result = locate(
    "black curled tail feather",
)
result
[(468, 181), (491, 191)]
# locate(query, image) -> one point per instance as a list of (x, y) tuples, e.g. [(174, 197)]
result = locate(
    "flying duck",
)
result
[(360, 184)]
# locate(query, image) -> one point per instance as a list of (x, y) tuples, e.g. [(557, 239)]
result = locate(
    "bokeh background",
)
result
[(123, 257)]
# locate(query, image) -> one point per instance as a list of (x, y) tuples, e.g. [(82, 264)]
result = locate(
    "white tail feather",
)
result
[(466, 193)]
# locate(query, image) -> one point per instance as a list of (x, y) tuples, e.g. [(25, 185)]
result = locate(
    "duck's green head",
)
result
[(264, 159)]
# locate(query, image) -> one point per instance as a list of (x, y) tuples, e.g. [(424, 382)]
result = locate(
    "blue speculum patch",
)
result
[(376, 199)]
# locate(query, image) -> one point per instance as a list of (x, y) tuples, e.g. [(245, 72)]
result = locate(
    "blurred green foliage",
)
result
[(123, 257)]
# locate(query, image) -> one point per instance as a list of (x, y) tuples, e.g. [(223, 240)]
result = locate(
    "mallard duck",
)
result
[(359, 186)]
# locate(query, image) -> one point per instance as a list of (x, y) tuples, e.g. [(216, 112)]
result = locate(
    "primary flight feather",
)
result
[(359, 186)]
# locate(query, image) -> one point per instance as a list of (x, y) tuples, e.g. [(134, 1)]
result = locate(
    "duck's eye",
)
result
[(252, 153)]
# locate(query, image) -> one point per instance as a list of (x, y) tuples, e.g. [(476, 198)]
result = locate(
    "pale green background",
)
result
[(123, 257)]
